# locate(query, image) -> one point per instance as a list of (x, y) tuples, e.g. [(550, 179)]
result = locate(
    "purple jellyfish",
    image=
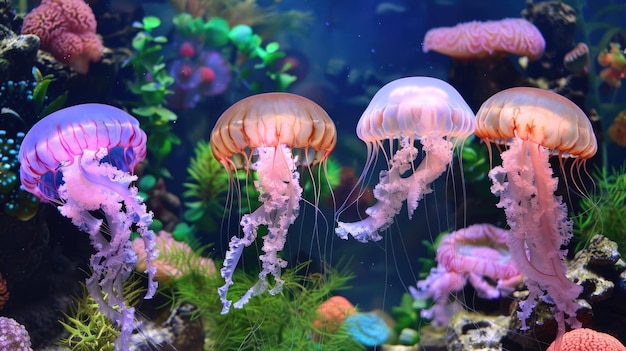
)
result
[(81, 158), (207, 74)]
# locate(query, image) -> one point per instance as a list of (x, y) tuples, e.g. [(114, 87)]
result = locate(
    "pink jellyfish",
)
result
[(411, 108), (271, 134), (81, 159), (534, 124)]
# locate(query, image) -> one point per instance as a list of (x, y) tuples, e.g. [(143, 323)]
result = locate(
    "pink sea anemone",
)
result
[(477, 254), (534, 124), (480, 39)]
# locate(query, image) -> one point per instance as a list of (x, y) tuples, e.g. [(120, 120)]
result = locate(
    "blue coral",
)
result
[(367, 328)]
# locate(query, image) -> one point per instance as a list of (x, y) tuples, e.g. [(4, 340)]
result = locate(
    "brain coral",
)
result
[(480, 39), (67, 29)]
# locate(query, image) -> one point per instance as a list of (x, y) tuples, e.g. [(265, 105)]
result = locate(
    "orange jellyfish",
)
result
[(534, 124), (407, 109), (272, 134)]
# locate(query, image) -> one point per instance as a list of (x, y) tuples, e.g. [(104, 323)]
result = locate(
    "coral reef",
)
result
[(13, 336), (67, 29)]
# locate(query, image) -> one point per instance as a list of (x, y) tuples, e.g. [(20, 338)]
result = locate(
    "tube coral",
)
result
[(479, 39)]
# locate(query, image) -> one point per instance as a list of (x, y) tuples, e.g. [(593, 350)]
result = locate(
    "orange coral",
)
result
[(584, 339), (615, 63), (332, 312), (617, 130), (4, 293)]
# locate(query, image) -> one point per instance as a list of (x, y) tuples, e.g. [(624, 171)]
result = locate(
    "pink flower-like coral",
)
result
[(584, 339), (480, 39), (477, 253), (67, 29), (168, 265)]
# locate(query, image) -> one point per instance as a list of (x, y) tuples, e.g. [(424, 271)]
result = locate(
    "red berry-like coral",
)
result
[(67, 29)]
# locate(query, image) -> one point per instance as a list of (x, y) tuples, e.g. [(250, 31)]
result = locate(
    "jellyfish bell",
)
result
[(408, 109), (271, 135)]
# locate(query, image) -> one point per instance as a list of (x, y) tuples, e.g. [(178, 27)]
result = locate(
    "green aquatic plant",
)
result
[(88, 328), (248, 46), (318, 182), (280, 322), (208, 189), (151, 87), (604, 210)]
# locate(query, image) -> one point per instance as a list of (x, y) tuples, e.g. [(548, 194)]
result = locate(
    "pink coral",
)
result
[(477, 253), (167, 265), (480, 39), (584, 339), (67, 29)]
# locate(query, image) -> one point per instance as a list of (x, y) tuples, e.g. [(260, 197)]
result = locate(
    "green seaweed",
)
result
[(280, 322), (604, 210), (208, 192), (88, 328)]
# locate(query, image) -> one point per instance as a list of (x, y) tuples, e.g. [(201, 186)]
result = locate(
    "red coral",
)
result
[(4, 293), (67, 29)]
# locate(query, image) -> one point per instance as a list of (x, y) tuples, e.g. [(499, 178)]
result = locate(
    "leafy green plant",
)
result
[(217, 33), (152, 87), (280, 322), (604, 210)]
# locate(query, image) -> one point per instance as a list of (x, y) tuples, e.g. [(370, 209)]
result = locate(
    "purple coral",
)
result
[(197, 75), (13, 336), (81, 159)]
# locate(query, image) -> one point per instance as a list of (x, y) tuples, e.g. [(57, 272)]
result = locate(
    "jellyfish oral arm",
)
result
[(393, 189), (539, 226), (91, 185), (280, 193)]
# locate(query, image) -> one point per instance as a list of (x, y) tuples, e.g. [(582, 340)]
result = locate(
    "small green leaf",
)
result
[(139, 41), (216, 32), (151, 22), (182, 232), (272, 47), (241, 35), (156, 225), (165, 113), (160, 39), (147, 182)]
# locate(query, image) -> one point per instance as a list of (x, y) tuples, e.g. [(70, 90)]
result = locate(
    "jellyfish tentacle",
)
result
[(280, 193)]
